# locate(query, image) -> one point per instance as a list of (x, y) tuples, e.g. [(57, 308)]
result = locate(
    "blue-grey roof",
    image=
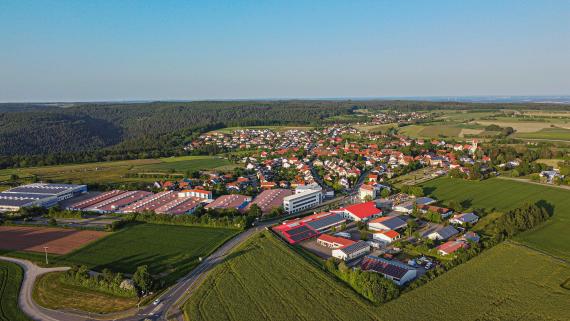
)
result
[(447, 231), (468, 217), (43, 188)]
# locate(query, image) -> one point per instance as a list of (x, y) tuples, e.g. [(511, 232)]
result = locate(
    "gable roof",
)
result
[(391, 222), (363, 210), (446, 231), (336, 239), (355, 247)]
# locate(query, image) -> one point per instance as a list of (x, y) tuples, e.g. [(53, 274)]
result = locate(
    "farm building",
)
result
[(360, 212), (396, 271), (118, 202), (352, 251), (239, 202), (38, 194), (270, 199), (200, 193)]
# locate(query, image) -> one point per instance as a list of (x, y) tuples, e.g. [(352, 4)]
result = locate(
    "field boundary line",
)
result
[(557, 258)]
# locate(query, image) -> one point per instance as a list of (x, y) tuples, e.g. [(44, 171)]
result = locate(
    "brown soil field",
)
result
[(58, 240)]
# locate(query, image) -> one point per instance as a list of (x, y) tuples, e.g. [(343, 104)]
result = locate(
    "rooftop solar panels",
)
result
[(44, 189), (327, 221), (299, 234), (392, 268)]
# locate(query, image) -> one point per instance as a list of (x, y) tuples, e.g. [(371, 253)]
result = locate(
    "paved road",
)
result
[(170, 301), (31, 272)]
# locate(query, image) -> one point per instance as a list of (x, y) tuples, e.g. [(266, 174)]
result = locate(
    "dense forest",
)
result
[(36, 134)]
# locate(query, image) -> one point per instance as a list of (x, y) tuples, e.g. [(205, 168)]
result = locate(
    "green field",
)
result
[(167, 249), (265, 280), (502, 195), (114, 172), (508, 282), (547, 134), (11, 276)]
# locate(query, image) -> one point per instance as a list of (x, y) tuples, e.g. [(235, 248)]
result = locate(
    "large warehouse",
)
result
[(38, 194)]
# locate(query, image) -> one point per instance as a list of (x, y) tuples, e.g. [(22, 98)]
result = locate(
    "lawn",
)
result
[(503, 195), (11, 276), (51, 293), (114, 172), (265, 280), (168, 250)]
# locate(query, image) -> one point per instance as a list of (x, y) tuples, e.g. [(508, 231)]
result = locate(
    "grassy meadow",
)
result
[(168, 250), (114, 172), (502, 195), (11, 276), (51, 293), (265, 280)]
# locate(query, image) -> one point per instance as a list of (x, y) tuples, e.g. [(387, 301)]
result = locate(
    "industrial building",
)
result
[(239, 202), (305, 197), (270, 199), (38, 194)]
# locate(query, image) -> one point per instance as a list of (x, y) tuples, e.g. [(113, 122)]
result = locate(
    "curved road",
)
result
[(171, 300)]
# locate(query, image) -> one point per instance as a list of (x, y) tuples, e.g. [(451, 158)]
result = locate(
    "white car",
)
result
[(156, 302)]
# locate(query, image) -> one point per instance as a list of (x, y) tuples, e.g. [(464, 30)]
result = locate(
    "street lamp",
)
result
[(45, 250)]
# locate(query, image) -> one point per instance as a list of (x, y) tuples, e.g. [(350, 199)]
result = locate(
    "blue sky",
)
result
[(129, 50)]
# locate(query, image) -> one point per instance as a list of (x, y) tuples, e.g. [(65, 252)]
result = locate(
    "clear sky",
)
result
[(136, 50)]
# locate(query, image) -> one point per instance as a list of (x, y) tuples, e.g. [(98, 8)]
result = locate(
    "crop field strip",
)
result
[(11, 277), (273, 283)]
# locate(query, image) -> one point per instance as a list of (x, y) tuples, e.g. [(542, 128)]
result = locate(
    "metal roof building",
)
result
[(38, 194)]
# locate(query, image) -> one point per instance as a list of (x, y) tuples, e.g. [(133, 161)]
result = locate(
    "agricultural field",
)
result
[(11, 276), (168, 250), (502, 194), (265, 280), (114, 172), (51, 293), (507, 282), (35, 239), (375, 128), (547, 134)]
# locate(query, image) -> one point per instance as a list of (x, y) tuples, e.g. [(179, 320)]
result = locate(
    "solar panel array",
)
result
[(392, 268), (326, 221), (300, 233)]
